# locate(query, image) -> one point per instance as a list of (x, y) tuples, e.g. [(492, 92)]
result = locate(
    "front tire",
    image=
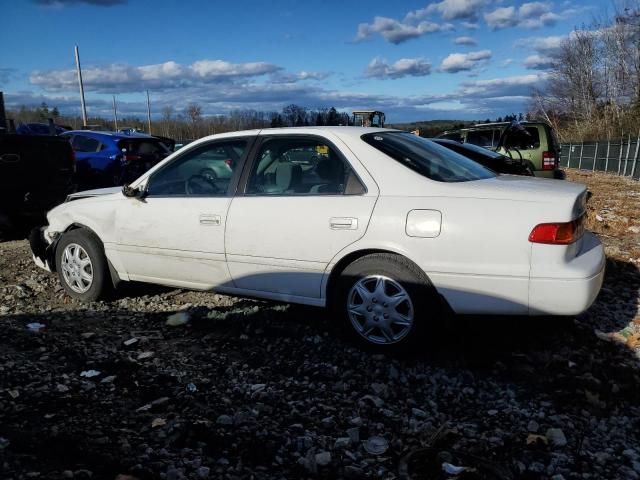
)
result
[(386, 302), (82, 266)]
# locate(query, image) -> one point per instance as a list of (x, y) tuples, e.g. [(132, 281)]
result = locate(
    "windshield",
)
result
[(427, 158)]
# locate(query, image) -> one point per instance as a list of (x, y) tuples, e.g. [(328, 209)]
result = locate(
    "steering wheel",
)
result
[(209, 174), (200, 185)]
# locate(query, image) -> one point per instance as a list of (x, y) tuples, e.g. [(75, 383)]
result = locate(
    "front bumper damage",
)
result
[(43, 247)]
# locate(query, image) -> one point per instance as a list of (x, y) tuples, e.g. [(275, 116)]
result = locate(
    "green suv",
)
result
[(533, 142)]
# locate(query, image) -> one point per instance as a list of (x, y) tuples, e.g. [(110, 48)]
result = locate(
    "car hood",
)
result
[(98, 192)]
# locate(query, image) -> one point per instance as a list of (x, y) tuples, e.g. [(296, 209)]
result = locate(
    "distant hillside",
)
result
[(430, 128)]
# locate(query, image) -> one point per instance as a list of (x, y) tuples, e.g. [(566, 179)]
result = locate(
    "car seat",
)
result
[(287, 176), (331, 170)]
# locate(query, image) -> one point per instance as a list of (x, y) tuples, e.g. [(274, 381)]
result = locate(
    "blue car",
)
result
[(107, 159), (39, 129)]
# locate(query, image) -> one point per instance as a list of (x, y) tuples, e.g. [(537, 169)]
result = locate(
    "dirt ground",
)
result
[(249, 389)]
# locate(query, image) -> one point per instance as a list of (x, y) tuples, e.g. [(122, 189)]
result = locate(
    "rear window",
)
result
[(143, 147), (427, 158), (85, 144)]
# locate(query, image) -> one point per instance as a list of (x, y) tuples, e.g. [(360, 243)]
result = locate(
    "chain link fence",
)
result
[(619, 157)]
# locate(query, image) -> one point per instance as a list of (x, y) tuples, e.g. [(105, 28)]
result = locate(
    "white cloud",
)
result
[(502, 17), (287, 77), (119, 78), (456, 9), (539, 62), (516, 86), (458, 62), (466, 41), (528, 15), (405, 67), (546, 51), (397, 32), (542, 45)]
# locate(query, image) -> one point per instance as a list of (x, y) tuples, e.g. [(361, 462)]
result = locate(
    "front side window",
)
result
[(85, 144), (206, 170), (427, 158), (301, 166)]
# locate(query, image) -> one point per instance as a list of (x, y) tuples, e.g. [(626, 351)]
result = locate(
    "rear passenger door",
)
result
[(301, 201)]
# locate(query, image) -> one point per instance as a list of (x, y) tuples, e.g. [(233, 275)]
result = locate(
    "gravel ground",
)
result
[(248, 389)]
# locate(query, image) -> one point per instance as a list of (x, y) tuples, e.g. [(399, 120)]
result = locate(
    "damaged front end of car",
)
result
[(43, 246)]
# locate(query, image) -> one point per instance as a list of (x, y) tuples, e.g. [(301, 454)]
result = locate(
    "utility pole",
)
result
[(148, 112), (115, 114), (84, 108)]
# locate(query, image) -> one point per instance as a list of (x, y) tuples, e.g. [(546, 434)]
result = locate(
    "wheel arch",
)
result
[(352, 256), (113, 274)]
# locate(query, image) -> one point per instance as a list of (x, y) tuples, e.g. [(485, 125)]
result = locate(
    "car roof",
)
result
[(340, 131), (114, 135)]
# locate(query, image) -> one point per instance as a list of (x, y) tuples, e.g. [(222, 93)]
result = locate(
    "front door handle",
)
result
[(343, 223), (211, 220)]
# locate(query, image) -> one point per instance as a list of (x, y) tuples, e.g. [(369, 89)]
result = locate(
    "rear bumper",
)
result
[(572, 295)]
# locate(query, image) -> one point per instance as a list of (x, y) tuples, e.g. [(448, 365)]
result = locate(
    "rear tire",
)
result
[(82, 266), (386, 302)]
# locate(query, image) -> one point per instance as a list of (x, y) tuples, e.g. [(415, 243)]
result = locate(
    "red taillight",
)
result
[(228, 161), (558, 233), (548, 160), (129, 157)]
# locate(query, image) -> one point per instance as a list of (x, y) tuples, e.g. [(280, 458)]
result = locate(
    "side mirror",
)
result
[(131, 192)]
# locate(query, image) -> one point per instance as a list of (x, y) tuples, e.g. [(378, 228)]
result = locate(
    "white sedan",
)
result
[(384, 226)]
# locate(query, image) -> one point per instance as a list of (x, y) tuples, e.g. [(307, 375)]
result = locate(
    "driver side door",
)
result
[(175, 234)]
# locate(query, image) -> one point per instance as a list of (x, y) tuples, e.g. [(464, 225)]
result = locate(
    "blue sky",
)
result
[(415, 60)]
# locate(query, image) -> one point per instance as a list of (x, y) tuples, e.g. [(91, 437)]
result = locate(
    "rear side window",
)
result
[(427, 158), (527, 138), (482, 138), (301, 166), (85, 144)]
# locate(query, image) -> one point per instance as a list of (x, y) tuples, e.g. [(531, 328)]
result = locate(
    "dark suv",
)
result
[(107, 159), (532, 142)]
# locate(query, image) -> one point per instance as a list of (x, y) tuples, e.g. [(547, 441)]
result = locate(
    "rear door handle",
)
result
[(343, 223), (211, 220)]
